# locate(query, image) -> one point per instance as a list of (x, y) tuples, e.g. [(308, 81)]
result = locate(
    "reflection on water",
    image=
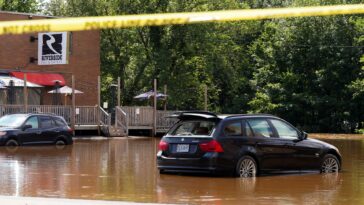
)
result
[(125, 169)]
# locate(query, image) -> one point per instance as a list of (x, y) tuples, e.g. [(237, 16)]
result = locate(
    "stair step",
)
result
[(116, 131)]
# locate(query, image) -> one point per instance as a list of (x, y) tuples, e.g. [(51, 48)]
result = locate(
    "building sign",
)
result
[(52, 48)]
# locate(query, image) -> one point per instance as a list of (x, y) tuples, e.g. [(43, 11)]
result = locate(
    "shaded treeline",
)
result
[(306, 70)]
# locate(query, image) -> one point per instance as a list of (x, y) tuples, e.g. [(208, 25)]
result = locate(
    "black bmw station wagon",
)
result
[(244, 145)]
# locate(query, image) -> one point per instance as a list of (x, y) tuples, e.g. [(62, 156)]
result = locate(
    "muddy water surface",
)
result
[(125, 169)]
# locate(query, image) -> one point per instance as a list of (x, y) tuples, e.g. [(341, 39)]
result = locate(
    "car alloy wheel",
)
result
[(247, 167), (330, 164)]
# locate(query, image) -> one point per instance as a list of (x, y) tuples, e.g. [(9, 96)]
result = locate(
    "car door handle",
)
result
[(39, 132)]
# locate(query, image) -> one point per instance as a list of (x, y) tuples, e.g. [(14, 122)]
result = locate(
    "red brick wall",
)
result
[(83, 61)]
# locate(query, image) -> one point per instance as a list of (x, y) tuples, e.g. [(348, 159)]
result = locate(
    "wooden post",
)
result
[(73, 121), (98, 104), (155, 109), (119, 92), (98, 91), (25, 94), (205, 97), (165, 98)]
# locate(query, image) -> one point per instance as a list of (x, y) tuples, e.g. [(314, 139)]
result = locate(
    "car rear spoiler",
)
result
[(193, 114)]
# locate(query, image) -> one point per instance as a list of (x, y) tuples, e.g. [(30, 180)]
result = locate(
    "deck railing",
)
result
[(139, 116), (125, 117), (11, 109), (85, 115), (105, 118), (64, 111), (164, 122), (121, 119)]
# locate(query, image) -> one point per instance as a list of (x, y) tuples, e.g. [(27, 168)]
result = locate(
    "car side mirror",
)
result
[(25, 127), (303, 136)]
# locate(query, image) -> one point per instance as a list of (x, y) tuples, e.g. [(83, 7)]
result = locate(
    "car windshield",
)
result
[(12, 120), (190, 128)]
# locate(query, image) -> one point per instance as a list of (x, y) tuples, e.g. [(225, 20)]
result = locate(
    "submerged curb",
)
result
[(12, 200)]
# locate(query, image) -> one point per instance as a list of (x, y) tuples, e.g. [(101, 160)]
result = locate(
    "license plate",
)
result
[(183, 148)]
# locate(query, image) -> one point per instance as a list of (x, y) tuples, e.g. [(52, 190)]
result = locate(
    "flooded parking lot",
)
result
[(125, 169)]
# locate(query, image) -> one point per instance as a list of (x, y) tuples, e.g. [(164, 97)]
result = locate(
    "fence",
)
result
[(125, 117), (121, 119), (142, 118), (139, 116), (85, 115), (164, 122)]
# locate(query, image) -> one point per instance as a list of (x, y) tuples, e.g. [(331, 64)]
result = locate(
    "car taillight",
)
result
[(163, 146), (70, 130), (212, 146)]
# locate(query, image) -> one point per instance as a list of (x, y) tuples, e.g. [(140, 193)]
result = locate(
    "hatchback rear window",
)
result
[(59, 122), (194, 128)]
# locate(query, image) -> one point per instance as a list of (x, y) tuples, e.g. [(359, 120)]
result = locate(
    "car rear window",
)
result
[(192, 128), (59, 122), (260, 127), (233, 129)]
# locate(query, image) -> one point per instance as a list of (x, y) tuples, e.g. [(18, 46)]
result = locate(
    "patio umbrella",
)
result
[(65, 90), (148, 95)]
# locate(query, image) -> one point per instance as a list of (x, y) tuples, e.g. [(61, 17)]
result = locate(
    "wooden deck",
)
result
[(86, 117), (95, 118), (141, 118)]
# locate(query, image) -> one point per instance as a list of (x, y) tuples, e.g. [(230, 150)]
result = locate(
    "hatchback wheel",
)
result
[(246, 167), (12, 143), (330, 164), (60, 144)]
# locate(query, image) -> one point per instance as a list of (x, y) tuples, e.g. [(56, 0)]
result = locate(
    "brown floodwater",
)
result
[(125, 169)]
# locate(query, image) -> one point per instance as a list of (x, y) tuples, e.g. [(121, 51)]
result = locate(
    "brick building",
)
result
[(19, 55)]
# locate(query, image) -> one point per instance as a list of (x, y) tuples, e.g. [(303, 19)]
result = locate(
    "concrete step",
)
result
[(117, 132)]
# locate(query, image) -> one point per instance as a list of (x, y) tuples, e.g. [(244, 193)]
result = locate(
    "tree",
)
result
[(305, 70), (26, 6)]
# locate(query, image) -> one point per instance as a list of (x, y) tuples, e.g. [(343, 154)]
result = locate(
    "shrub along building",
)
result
[(49, 61)]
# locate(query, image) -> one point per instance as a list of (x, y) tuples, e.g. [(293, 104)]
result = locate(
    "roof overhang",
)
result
[(6, 81), (43, 79)]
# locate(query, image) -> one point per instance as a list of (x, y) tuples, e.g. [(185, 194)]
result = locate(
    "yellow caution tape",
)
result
[(91, 23)]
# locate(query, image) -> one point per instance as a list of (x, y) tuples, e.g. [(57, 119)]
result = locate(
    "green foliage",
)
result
[(26, 6), (306, 70)]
